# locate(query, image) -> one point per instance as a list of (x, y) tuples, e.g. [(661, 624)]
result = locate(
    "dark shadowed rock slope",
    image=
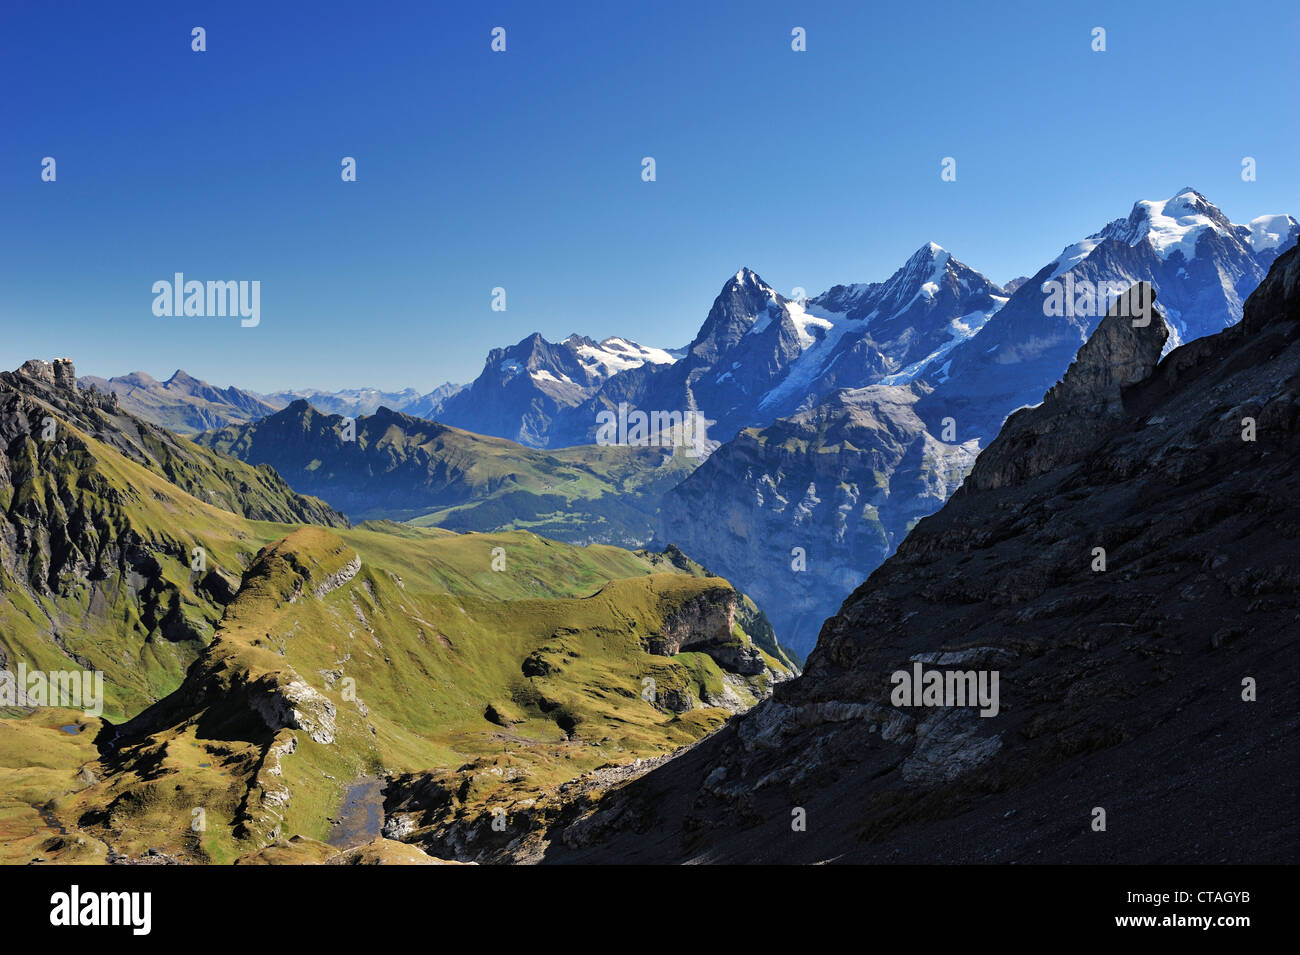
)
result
[(1119, 689)]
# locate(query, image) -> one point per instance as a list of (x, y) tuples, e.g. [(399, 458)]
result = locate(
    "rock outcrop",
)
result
[(707, 623), (60, 373), (703, 620), (1083, 406)]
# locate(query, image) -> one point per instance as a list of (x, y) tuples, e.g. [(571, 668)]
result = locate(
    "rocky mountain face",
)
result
[(525, 387), (394, 466), (798, 508), (908, 323), (1122, 558), (759, 355)]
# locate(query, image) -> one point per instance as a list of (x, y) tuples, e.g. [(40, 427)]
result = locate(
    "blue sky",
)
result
[(523, 169)]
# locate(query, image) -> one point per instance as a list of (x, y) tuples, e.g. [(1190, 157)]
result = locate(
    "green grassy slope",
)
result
[(398, 652), (468, 672)]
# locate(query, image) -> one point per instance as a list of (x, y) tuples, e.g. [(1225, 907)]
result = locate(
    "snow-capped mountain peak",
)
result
[(760, 356), (930, 252), (1270, 232), (1176, 225), (747, 276), (1200, 265), (603, 359), (888, 331), (1172, 225), (749, 286), (926, 269)]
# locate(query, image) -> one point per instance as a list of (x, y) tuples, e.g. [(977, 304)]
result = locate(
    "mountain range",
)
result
[(182, 404), (355, 402), (845, 481), (834, 422), (489, 679), (186, 405), (520, 388), (1122, 556), (760, 356)]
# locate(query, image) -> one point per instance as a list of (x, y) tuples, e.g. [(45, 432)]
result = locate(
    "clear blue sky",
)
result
[(523, 169)]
